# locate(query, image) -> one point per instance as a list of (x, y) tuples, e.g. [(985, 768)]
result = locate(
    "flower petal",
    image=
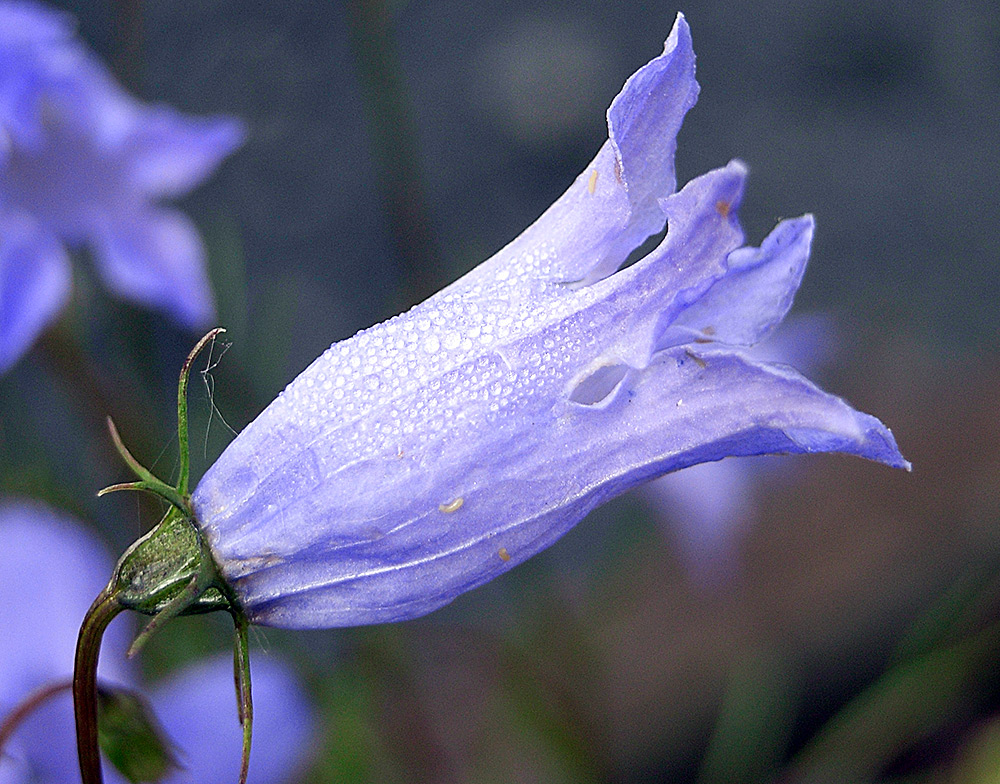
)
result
[(171, 153), (756, 292), (30, 34), (395, 536), (51, 570), (34, 284), (156, 258), (611, 208), (704, 510), (644, 299), (428, 454), (197, 710)]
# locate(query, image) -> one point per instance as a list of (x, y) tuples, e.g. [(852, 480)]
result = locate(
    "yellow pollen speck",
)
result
[(504, 555), (592, 185), (452, 506), (722, 207)]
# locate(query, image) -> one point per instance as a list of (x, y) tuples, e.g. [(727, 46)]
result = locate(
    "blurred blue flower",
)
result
[(82, 163), (709, 506), (50, 571), (431, 453)]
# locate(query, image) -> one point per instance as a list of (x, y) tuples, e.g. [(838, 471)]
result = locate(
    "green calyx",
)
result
[(168, 572)]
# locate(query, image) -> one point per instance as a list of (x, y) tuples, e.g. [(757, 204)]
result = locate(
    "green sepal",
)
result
[(147, 481), (159, 570)]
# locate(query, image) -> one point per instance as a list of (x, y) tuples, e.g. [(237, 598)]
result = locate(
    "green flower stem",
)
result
[(244, 701), (88, 648), (168, 572)]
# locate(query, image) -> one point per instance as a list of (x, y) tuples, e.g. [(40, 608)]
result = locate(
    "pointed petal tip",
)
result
[(680, 33), (884, 447), (872, 441), (644, 118), (878, 443)]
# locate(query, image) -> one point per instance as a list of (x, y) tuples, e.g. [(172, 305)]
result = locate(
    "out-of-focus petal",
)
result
[(30, 34), (156, 258), (172, 153), (708, 507), (197, 709), (806, 341), (90, 163), (13, 766), (50, 572), (34, 284)]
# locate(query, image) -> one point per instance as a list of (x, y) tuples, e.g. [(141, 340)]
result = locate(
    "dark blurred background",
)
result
[(393, 146)]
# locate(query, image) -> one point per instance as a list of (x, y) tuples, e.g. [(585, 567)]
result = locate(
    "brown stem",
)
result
[(27, 705), (88, 649)]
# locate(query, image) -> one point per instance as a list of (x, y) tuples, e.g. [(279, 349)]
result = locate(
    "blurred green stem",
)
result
[(97, 397), (394, 146), (913, 699)]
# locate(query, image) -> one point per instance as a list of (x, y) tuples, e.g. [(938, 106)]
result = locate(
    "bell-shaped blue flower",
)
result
[(431, 453), (82, 163)]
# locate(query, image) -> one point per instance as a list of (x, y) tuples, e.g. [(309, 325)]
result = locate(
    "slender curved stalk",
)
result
[(182, 409), (21, 711), (88, 648)]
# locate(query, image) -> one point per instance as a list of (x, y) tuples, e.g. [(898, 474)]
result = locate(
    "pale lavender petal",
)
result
[(197, 709), (90, 163), (707, 507), (13, 765), (28, 22), (30, 34), (172, 153), (807, 341), (156, 258), (743, 307), (611, 208), (34, 284)]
